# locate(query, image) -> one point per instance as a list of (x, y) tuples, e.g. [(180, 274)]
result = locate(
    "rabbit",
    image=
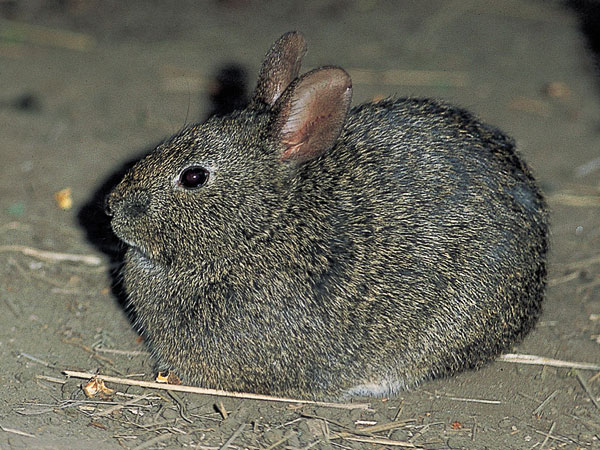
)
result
[(299, 247)]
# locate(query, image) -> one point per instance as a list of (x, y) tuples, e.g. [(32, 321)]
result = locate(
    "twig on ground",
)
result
[(90, 260), (382, 441), (587, 389), (463, 399), (33, 274), (587, 168), (334, 422), (50, 379), (564, 279), (582, 263), (12, 430), (12, 307), (566, 440), (474, 400), (115, 351), (385, 426), (312, 444), (594, 378), (180, 407), (37, 360), (366, 434), (222, 410), (233, 437), (285, 438), (542, 361), (587, 423), (215, 392), (538, 410), (76, 343), (423, 429), (114, 408), (548, 435), (155, 440)]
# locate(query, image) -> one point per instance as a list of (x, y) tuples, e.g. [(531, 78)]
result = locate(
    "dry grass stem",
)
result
[(12, 430), (584, 263), (559, 438), (114, 408), (594, 378), (519, 358), (564, 279), (381, 441), (548, 435), (32, 274), (538, 410), (386, 426), (365, 423), (115, 351), (12, 307), (325, 419), (76, 343), (155, 440), (423, 430), (587, 389), (44, 255), (180, 407), (215, 392), (222, 410), (285, 438), (366, 434), (587, 168), (233, 437), (37, 360), (474, 400), (50, 379)]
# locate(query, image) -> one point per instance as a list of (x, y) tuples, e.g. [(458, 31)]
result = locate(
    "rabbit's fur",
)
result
[(331, 252)]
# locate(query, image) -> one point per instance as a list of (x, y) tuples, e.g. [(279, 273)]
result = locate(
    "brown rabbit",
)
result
[(300, 247)]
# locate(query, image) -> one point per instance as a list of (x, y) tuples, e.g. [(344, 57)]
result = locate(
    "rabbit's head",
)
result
[(218, 185)]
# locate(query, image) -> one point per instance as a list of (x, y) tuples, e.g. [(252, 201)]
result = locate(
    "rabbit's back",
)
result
[(439, 215)]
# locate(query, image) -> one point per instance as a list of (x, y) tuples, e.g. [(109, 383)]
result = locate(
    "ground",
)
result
[(87, 86)]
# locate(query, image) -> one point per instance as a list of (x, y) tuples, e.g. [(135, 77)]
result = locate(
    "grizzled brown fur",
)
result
[(331, 252)]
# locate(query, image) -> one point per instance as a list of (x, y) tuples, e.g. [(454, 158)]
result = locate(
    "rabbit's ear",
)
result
[(312, 113), (280, 67)]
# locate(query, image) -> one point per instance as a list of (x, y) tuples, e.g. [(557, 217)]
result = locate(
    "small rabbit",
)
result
[(299, 247)]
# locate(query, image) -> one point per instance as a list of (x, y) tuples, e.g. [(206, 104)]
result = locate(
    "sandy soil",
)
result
[(76, 107)]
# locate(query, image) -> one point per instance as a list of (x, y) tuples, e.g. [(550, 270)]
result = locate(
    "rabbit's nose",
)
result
[(133, 204), (136, 203)]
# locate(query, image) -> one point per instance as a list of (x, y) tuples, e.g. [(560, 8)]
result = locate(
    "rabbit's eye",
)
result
[(193, 177)]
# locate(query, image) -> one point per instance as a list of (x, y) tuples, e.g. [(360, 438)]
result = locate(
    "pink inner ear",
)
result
[(315, 113)]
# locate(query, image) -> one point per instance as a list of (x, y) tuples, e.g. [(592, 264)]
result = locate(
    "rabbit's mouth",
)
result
[(133, 247)]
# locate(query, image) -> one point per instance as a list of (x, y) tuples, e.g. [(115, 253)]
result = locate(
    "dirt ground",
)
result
[(88, 85)]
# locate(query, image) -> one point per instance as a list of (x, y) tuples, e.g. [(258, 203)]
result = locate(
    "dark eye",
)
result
[(193, 177)]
